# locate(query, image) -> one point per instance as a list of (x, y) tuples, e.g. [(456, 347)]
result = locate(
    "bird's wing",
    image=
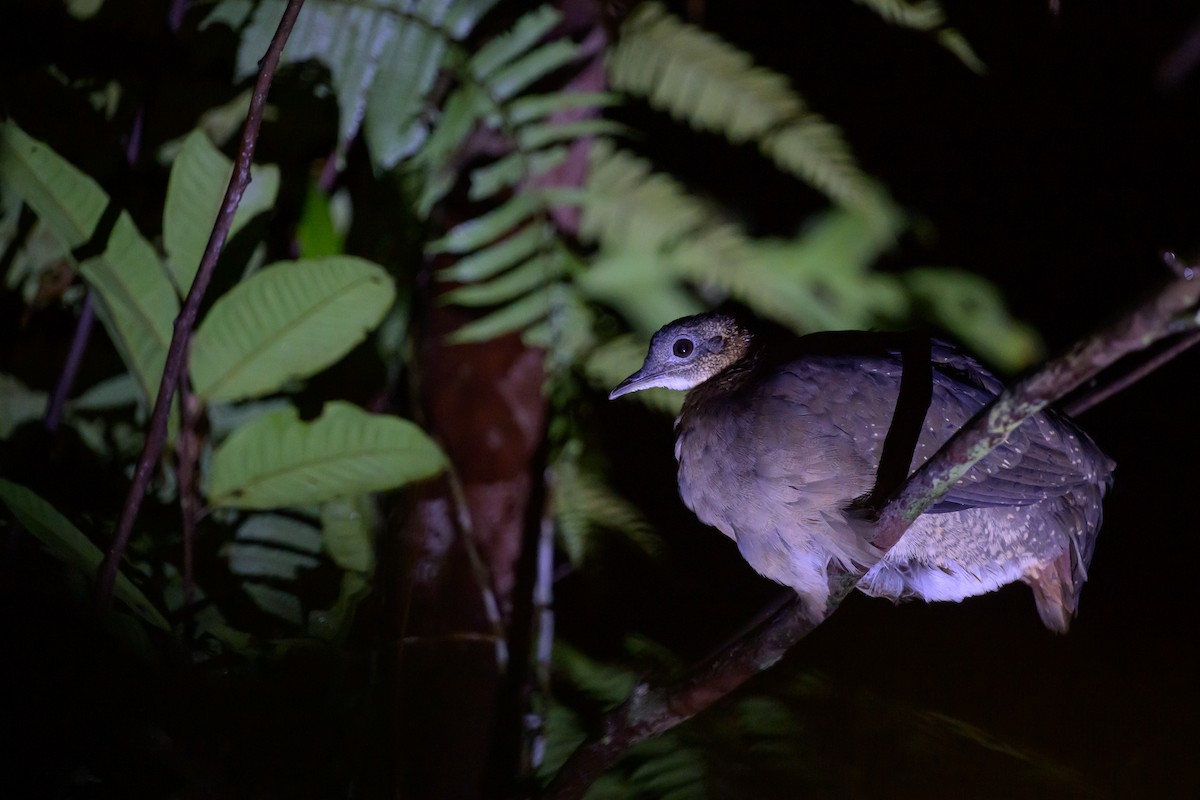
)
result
[(855, 397)]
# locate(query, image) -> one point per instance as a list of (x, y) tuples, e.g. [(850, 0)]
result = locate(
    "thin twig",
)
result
[(70, 370), (652, 711), (156, 434), (1097, 396)]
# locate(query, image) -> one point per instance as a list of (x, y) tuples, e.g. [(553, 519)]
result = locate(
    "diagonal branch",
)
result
[(652, 711), (156, 434)]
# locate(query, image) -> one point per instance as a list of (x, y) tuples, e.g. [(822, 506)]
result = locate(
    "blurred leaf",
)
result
[(277, 602), (477, 232), (513, 317), (346, 533), (287, 321), (330, 623), (83, 9), (972, 308), (608, 684), (928, 16), (195, 189), (115, 392), (584, 504), (516, 282), (499, 257), (18, 404), (67, 543), (277, 460), (696, 77), (278, 529), (137, 304), (316, 235), (383, 59), (262, 561)]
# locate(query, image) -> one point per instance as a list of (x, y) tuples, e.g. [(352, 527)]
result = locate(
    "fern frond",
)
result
[(700, 79), (584, 505), (927, 16), (383, 57)]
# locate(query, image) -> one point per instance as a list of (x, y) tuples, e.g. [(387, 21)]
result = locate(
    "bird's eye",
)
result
[(682, 348)]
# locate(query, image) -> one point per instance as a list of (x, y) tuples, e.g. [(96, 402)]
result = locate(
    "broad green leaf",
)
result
[(278, 460), (199, 178), (137, 304), (67, 543), (18, 404), (346, 530), (288, 320)]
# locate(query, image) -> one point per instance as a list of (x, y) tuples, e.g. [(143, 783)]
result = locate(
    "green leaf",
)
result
[(512, 284), (532, 67), (499, 257), (475, 233), (115, 392), (18, 404), (394, 128), (972, 308), (67, 543), (512, 317), (527, 31), (700, 79), (346, 531), (199, 178), (316, 233), (278, 460), (533, 137), (261, 561), (280, 530), (288, 320), (277, 602), (512, 169), (137, 303), (533, 107)]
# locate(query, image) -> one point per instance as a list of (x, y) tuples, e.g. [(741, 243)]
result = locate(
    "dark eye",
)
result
[(682, 348)]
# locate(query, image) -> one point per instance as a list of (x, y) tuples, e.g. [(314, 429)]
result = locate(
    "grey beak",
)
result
[(628, 385)]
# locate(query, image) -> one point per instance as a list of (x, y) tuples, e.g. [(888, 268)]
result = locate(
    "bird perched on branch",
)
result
[(781, 451)]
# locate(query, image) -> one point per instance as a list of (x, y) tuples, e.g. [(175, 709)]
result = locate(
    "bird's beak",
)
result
[(634, 382)]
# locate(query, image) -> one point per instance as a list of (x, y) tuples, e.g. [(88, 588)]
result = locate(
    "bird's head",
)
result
[(687, 352)]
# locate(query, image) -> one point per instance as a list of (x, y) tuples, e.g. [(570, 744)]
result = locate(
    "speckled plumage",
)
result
[(775, 455)]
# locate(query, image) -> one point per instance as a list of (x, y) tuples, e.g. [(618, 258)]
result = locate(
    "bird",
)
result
[(779, 448)]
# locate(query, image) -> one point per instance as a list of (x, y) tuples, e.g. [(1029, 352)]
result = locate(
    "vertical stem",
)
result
[(70, 370), (156, 434)]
